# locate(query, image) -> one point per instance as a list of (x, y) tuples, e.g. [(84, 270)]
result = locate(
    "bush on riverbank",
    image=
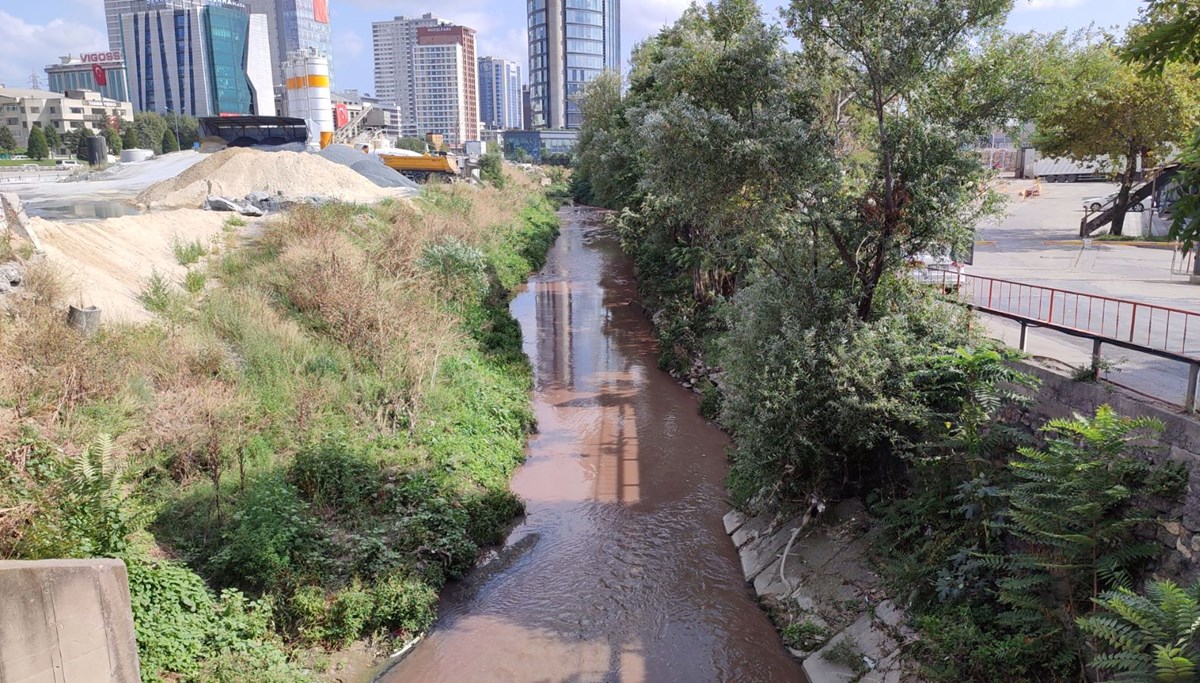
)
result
[(330, 430), (775, 203)]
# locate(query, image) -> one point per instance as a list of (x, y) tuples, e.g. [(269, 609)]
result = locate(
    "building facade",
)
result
[(392, 46), (202, 60), (79, 73), (23, 110), (499, 93), (445, 90), (570, 43), (295, 26)]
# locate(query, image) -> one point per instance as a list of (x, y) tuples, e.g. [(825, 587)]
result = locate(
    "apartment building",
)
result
[(499, 93), (22, 110), (444, 87), (392, 45)]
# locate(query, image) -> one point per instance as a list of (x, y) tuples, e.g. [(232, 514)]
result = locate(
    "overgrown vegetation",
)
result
[(315, 443), (773, 202)]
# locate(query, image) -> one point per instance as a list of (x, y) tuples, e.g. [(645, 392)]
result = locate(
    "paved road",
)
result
[(1036, 243)]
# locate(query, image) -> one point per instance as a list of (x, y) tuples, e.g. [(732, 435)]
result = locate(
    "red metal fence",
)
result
[(1162, 331), (1160, 328)]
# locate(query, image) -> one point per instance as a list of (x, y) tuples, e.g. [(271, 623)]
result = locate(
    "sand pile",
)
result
[(238, 171), (106, 262)]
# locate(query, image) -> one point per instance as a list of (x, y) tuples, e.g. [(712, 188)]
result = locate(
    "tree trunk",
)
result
[(1121, 205)]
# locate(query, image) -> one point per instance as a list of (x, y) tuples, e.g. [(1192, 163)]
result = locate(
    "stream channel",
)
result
[(621, 569)]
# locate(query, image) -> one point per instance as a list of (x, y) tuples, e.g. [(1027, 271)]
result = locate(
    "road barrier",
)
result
[(1161, 331)]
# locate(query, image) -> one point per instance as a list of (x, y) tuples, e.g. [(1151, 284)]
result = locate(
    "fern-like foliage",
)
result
[(1072, 512), (95, 506), (1149, 638)]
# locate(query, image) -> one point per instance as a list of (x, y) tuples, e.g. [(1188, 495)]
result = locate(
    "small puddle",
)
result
[(83, 210), (621, 570)]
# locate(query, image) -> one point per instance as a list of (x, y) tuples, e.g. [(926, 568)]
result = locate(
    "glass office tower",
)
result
[(570, 43)]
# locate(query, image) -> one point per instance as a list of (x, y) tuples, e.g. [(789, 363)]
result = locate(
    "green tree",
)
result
[(52, 140), (491, 169), (81, 144), (38, 149), (7, 142), (113, 139), (883, 56), (411, 144), (1169, 35), (169, 143), (150, 127), (1103, 107), (130, 138)]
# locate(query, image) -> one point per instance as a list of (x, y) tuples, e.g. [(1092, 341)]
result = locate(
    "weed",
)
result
[(235, 222), (193, 281), (157, 295), (805, 635), (188, 253), (847, 654)]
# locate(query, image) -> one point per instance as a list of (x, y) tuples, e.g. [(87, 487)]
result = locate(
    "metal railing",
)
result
[(1163, 331)]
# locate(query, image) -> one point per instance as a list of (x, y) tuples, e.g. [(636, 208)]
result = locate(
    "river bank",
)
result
[(312, 434), (621, 568)]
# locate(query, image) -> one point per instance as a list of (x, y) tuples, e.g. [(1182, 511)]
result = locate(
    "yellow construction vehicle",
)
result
[(421, 167)]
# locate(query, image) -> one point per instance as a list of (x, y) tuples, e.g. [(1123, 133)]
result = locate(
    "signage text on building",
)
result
[(114, 56)]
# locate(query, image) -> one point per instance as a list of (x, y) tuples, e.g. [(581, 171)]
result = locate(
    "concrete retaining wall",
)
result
[(1061, 397), (66, 621)]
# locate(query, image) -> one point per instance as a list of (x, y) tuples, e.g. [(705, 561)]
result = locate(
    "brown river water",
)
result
[(621, 570)]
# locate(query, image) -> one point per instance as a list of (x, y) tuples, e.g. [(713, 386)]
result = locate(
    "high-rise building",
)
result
[(392, 44), (499, 93), (445, 92), (570, 43), (204, 60), (102, 72), (294, 26)]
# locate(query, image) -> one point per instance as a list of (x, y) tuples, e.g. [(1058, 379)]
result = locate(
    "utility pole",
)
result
[(35, 82)]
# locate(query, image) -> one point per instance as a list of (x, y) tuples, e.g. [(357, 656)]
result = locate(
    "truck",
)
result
[(420, 167), (1067, 171)]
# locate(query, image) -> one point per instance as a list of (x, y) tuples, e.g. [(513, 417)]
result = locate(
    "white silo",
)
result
[(308, 97)]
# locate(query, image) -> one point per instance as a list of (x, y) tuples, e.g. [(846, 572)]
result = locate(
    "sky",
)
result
[(35, 34)]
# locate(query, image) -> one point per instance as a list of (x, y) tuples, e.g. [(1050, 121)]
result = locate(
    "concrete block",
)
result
[(751, 530), (66, 621), (733, 521)]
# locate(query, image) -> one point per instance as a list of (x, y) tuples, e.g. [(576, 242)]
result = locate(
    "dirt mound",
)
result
[(238, 171)]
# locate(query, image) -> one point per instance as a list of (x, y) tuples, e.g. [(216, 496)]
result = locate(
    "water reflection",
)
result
[(621, 570)]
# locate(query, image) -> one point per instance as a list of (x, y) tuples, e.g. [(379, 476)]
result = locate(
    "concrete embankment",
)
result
[(815, 577), (66, 621)]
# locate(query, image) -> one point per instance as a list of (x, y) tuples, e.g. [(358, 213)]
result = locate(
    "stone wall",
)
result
[(1060, 396), (66, 621)]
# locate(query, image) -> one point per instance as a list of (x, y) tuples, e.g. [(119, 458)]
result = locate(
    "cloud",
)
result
[(1038, 5), (27, 48)]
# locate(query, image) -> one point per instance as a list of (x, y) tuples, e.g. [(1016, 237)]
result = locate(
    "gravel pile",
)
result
[(368, 166)]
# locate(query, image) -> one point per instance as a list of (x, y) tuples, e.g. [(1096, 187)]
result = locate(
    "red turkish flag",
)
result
[(99, 75), (321, 11)]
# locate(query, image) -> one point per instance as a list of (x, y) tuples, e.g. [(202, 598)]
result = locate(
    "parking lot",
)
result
[(1037, 242)]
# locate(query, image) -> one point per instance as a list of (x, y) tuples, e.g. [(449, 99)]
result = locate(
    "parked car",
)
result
[(68, 162), (1100, 203)]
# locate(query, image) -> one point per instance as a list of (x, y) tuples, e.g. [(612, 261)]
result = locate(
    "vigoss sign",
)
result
[(97, 57)]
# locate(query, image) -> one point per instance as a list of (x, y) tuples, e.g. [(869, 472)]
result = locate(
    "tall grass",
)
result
[(331, 426)]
